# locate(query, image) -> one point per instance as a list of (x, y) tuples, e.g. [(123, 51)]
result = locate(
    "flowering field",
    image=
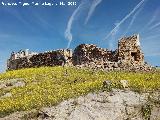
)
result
[(47, 86)]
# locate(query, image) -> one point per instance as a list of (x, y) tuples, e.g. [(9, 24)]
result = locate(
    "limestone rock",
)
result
[(124, 83), (12, 83), (155, 113), (121, 105), (107, 84), (6, 95)]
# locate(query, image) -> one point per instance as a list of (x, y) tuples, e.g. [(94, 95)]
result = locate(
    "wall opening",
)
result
[(134, 56)]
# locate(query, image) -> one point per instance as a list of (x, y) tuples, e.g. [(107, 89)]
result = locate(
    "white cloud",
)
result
[(153, 18), (154, 26), (152, 54), (124, 19), (152, 37), (132, 21), (113, 36), (68, 34), (94, 4)]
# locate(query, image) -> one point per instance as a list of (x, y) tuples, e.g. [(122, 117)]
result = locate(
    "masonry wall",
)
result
[(51, 58), (128, 56), (129, 50), (93, 56), (86, 53)]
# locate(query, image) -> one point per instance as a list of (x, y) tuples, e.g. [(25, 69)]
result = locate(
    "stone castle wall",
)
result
[(128, 56), (50, 58)]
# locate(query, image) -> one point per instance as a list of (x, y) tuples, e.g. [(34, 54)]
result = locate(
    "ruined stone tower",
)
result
[(129, 51)]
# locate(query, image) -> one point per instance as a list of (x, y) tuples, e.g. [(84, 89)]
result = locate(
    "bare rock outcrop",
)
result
[(9, 84), (113, 105)]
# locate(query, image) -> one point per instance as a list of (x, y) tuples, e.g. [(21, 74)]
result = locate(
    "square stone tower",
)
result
[(129, 50)]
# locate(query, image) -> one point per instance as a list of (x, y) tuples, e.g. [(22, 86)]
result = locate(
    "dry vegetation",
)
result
[(47, 86)]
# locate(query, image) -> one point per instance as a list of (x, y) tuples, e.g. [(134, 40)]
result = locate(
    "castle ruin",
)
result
[(128, 56)]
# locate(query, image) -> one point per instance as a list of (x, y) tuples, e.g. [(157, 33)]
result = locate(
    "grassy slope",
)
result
[(48, 86)]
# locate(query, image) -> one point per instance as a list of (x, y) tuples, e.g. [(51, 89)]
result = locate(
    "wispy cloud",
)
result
[(155, 15), (124, 19), (153, 54), (94, 4), (113, 35), (153, 18), (133, 20), (68, 34), (115, 30), (152, 37), (154, 26)]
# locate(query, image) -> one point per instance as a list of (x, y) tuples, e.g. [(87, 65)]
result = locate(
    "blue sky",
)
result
[(101, 22)]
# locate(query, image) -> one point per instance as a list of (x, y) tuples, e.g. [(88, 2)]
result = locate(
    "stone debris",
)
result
[(128, 56), (124, 83), (11, 83), (107, 84), (6, 95), (2, 85), (155, 113)]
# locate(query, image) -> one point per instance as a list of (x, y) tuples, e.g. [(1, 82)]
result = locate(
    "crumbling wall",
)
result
[(21, 54), (89, 53), (50, 58), (128, 56), (129, 50), (14, 64)]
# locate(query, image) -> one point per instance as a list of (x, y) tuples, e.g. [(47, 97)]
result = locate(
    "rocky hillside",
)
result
[(114, 105), (72, 93)]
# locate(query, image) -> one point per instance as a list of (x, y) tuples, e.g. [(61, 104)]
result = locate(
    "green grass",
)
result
[(47, 86)]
